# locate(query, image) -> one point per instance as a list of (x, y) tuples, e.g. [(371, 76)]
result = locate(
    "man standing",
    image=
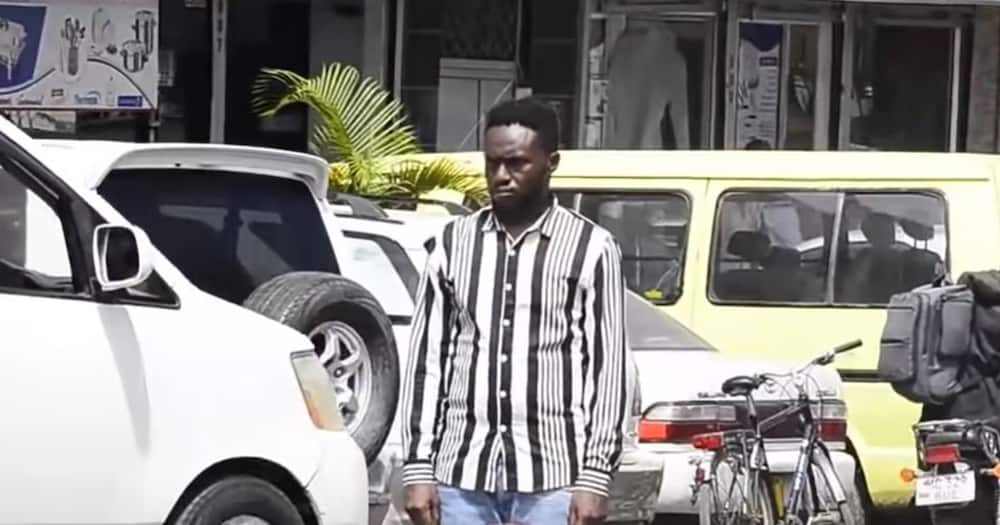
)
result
[(515, 388)]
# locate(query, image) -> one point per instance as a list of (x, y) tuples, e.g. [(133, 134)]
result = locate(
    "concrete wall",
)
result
[(350, 32), (983, 82)]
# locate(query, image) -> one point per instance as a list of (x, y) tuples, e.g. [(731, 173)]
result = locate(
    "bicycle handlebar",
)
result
[(824, 359), (847, 347)]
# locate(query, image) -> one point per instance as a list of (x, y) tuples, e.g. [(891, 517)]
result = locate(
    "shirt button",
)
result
[(510, 254), (503, 394), (508, 287), (506, 322), (502, 429), (503, 358)]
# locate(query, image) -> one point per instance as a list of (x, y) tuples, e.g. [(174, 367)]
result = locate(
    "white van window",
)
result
[(398, 278), (652, 230), (227, 232), (33, 251), (774, 247)]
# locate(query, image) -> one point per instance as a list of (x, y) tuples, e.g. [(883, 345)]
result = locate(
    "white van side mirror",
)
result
[(123, 256)]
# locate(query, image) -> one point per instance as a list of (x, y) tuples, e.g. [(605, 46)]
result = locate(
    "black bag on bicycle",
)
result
[(925, 346)]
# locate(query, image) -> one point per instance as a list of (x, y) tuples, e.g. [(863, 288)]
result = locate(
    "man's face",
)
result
[(517, 166)]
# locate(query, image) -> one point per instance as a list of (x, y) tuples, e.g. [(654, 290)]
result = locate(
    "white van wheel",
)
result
[(240, 500), (353, 338), (343, 352)]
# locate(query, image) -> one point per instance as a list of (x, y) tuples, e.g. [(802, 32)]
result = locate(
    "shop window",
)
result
[(652, 231), (649, 83), (897, 69), (774, 247)]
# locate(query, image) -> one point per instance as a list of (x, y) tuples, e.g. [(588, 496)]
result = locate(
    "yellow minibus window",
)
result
[(652, 230), (851, 248)]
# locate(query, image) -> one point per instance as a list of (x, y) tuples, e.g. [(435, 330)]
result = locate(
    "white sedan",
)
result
[(680, 377)]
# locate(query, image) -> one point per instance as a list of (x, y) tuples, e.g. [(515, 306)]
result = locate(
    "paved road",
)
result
[(897, 518)]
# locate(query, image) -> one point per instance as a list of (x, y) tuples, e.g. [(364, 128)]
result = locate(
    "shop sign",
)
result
[(79, 54), (758, 89)]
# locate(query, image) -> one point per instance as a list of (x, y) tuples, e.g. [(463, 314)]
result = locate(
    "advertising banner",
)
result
[(758, 92), (79, 54)]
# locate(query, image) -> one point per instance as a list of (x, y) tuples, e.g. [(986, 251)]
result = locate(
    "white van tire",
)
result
[(317, 303), (240, 496)]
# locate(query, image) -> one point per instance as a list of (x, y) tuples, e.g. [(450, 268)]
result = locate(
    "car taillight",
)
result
[(711, 441), (941, 454), (831, 420), (680, 423)]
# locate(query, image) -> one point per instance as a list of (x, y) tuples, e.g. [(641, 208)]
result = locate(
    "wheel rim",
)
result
[(344, 354), (245, 519), (728, 505)]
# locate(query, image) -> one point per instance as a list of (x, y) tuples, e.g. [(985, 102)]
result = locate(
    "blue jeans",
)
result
[(465, 507)]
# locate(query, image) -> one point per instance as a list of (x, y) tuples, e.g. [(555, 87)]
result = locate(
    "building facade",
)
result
[(206, 54), (708, 74), (666, 74)]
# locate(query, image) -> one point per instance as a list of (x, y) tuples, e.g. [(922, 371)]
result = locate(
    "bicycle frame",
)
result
[(807, 448), (813, 455)]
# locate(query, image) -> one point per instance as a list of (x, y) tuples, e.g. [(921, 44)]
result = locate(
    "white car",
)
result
[(131, 396), (681, 375), (250, 226)]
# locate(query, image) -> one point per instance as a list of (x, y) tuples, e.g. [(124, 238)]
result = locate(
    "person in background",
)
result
[(514, 394)]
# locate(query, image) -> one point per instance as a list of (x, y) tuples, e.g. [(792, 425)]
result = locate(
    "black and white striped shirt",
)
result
[(517, 358)]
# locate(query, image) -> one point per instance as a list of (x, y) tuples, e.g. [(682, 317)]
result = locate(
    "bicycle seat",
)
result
[(740, 385)]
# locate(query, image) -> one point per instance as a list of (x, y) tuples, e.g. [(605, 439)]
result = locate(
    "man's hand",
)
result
[(423, 505), (587, 508)]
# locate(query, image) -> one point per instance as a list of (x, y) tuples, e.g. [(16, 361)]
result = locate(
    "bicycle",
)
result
[(952, 454), (739, 462)]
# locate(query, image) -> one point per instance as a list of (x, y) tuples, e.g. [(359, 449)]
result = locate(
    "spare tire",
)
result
[(354, 340)]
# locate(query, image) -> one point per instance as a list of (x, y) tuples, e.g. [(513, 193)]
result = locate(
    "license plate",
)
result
[(945, 489)]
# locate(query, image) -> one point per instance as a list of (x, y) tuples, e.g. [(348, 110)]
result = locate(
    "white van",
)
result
[(128, 395)]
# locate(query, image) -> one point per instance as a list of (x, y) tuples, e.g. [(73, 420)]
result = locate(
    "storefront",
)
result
[(106, 68), (777, 74), (783, 74), (180, 70)]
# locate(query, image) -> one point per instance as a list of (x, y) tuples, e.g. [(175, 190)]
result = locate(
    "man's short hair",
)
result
[(532, 113)]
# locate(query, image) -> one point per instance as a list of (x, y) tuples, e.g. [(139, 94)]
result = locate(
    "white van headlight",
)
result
[(317, 390)]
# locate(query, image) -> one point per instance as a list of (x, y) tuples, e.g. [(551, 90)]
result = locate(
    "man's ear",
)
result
[(553, 161)]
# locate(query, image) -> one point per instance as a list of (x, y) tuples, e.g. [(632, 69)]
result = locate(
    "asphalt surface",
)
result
[(889, 518)]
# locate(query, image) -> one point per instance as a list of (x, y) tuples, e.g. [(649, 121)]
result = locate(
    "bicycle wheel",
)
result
[(825, 485), (734, 496)]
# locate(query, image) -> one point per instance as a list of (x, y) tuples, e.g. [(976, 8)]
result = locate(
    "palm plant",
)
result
[(363, 132)]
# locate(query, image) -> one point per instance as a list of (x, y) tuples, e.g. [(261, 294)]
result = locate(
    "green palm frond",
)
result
[(416, 178), (358, 120), (362, 131)]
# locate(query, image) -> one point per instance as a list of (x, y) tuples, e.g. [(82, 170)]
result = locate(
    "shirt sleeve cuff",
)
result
[(594, 481), (418, 473)]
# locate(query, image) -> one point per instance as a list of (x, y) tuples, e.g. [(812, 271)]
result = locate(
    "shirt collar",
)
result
[(545, 225)]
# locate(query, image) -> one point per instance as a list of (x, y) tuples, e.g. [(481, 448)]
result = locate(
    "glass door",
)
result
[(648, 77), (906, 74), (778, 77)]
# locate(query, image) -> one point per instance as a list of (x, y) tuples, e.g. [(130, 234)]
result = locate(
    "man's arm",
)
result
[(431, 324), (605, 390)]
